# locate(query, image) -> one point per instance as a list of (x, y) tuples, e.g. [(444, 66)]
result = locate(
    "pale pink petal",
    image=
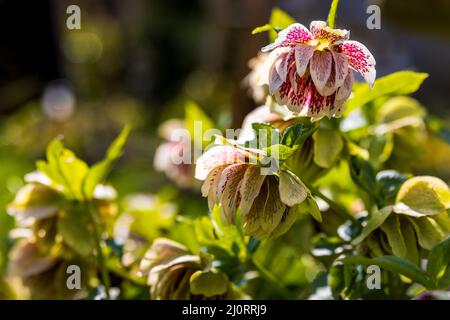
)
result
[(294, 34), (217, 156), (321, 32), (346, 89), (303, 54), (269, 64), (341, 67), (282, 64), (275, 81), (261, 114), (330, 86), (320, 68), (360, 59), (209, 187)]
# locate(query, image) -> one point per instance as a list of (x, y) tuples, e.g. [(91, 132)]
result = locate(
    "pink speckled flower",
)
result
[(311, 71)]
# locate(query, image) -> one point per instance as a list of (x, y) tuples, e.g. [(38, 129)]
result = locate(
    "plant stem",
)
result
[(331, 21), (98, 243), (271, 278), (339, 209), (252, 246)]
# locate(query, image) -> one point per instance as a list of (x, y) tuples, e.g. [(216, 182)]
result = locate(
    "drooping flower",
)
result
[(168, 155), (43, 273), (268, 203), (310, 71), (416, 221), (176, 274), (255, 90)]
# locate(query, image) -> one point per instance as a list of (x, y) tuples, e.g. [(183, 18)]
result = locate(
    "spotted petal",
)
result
[(360, 59), (340, 68), (250, 188), (320, 68), (294, 34), (323, 33), (303, 54), (217, 156), (228, 190), (282, 65), (209, 187), (274, 209), (346, 89)]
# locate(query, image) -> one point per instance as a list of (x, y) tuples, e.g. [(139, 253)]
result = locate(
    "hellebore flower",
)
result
[(268, 203), (173, 273), (417, 220), (255, 90), (311, 71), (42, 272), (168, 155)]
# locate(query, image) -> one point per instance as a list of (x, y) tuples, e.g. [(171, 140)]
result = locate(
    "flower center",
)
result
[(323, 44)]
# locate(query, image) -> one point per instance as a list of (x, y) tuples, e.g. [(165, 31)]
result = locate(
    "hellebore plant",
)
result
[(317, 187)]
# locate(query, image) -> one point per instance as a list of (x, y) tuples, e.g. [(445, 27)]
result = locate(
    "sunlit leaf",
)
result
[(398, 83), (279, 19), (100, 171), (328, 145), (394, 264)]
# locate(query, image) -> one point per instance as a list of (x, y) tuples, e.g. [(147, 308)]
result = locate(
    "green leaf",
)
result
[(396, 112), (310, 206), (266, 134), (391, 227), (328, 145), (295, 135), (336, 279), (209, 283), (409, 235), (380, 148), (280, 152), (72, 225), (388, 183), (279, 19), (64, 169), (99, 172), (362, 174), (423, 196), (427, 231), (394, 264), (375, 221), (398, 83), (197, 122), (438, 262), (74, 172), (266, 27), (438, 127), (51, 167)]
